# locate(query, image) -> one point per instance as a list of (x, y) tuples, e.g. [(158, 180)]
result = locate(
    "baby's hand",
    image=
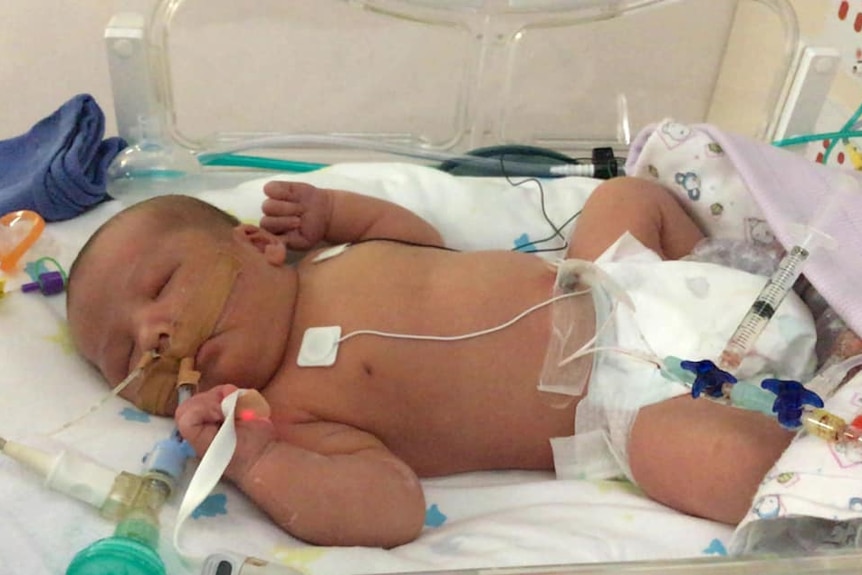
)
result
[(199, 418), (297, 213)]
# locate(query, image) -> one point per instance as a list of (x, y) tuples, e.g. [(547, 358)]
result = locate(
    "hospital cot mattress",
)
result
[(488, 519)]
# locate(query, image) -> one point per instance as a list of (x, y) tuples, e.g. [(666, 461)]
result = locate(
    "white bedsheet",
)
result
[(473, 520)]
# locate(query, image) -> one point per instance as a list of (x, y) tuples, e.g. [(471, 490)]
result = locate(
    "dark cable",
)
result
[(557, 230)]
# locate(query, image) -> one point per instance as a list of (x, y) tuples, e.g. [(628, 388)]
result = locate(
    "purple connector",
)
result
[(49, 283)]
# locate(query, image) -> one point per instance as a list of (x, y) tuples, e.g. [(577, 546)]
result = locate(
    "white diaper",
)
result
[(681, 308)]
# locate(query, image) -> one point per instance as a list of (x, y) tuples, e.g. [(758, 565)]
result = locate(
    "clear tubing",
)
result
[(146, 359), (829, 379), (523, 169)]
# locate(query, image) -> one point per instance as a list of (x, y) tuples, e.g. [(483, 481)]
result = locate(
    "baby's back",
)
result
[(442, 406)]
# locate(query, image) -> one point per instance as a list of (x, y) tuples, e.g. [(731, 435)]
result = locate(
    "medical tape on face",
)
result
[(197, 321)]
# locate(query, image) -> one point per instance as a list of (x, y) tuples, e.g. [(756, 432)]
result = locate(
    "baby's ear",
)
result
[(266, 243)]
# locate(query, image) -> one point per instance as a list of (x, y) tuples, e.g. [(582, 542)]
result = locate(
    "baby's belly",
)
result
[(447, 407), (466, 400), (514, 436)]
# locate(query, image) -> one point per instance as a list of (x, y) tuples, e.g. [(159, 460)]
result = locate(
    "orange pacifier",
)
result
[(18, 232)]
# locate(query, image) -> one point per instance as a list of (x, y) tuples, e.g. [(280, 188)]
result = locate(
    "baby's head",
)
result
[(176, 276)]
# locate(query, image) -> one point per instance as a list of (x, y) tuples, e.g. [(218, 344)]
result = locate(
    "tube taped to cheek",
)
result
[(197, 321), (158, 386)]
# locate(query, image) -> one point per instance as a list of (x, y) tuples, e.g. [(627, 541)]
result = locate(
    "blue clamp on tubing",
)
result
[(709, 378), (791, 397)]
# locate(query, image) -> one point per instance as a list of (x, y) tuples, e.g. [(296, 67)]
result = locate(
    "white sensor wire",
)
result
[(474, 334)]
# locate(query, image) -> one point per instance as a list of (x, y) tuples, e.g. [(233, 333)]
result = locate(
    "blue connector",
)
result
[(169, 456)]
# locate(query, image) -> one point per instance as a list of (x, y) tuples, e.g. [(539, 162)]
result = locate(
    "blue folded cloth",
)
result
[(58, 168)]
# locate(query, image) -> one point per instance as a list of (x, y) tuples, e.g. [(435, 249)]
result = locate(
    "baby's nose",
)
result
[(164, 343), (155, 338)]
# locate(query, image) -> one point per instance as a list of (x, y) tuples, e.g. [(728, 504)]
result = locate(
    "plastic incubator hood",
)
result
[(441, 76)]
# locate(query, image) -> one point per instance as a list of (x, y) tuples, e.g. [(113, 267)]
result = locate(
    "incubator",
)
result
[(195, 82), (200, 86)]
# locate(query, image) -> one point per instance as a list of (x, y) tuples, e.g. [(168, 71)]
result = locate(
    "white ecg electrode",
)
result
[(319, 346)]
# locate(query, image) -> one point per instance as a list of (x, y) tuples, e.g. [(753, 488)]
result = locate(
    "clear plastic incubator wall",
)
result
[(210, 89), (442, 77)]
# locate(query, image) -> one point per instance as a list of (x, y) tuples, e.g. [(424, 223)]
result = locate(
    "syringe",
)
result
[(771, 296), (763, 308)]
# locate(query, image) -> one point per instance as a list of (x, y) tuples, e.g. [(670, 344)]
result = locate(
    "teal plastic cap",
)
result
[(116, 556)]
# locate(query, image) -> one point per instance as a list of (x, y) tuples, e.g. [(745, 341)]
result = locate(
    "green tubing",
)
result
[(243, 161), (804, 139)]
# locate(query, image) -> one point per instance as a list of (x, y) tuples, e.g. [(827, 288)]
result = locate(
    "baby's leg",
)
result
[(645, 209), (694, 455), (703, 458)]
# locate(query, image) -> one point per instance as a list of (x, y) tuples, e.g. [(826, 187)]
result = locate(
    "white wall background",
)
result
[(50, 50), (53, 49)]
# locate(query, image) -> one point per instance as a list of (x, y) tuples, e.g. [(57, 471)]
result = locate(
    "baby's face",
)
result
[(137, 290)]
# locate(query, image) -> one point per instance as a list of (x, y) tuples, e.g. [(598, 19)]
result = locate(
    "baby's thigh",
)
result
[(640, 207), (701, 457)]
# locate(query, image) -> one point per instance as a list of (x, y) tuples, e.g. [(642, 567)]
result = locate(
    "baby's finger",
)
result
[(280, 225), (281, 208), (286, 191), (199, 427), (251, 405), (222, 391), (191, 413)]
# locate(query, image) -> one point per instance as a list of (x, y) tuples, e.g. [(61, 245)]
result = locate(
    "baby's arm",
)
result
[(303, 215), (325, 483)]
